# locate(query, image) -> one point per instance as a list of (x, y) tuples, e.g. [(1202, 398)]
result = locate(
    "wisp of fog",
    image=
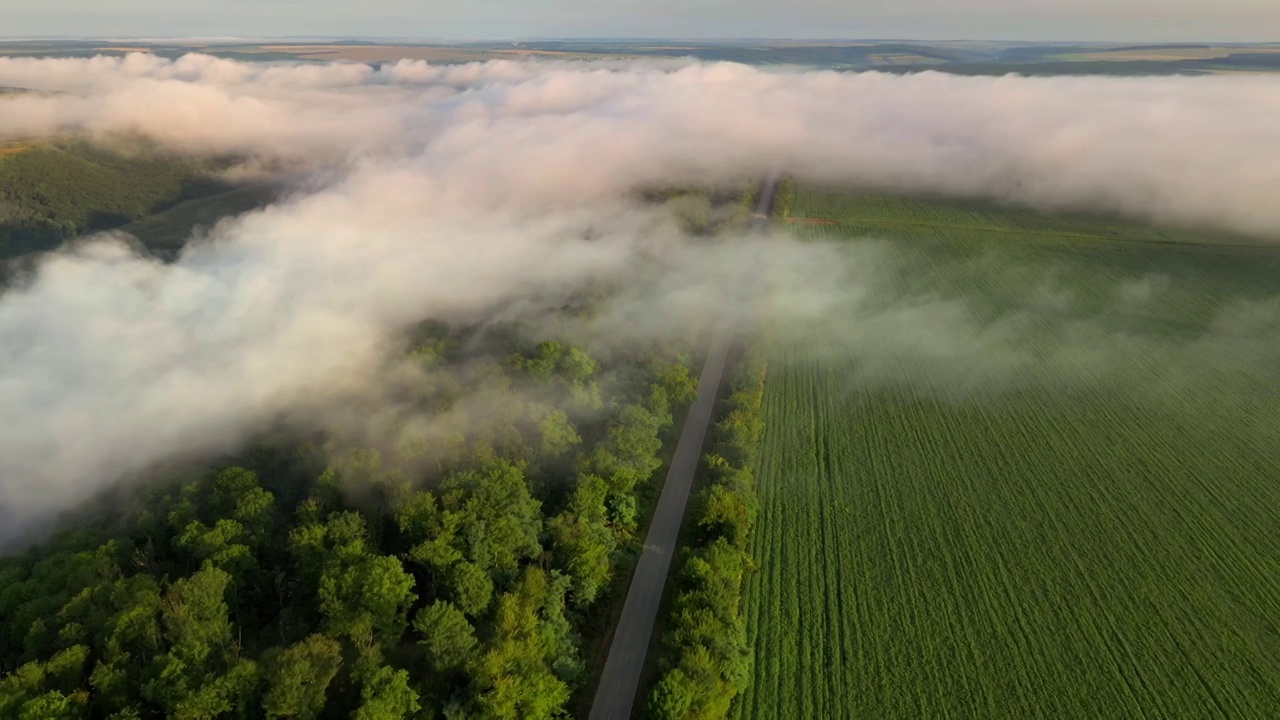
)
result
[(447, 191)]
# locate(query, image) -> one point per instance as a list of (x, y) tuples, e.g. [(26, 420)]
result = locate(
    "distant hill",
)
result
[(49, 193), (166, 232), (847, 55)]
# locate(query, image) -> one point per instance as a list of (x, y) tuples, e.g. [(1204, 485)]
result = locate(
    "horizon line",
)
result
[(427, 40)]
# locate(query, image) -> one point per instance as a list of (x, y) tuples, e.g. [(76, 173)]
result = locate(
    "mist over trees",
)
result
[(284, 494), (329, 581), (448, 189)]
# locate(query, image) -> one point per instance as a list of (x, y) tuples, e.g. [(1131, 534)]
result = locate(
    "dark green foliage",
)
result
[(37, 690), (202, 675), (165, 232), (296, 678), (500, 521), (385, 692), (706, 659), (364, 595), (448, 636), (53, 192), (516, 676), (472, 587), (556, 433), (292, 588), (582, 538), (565, 366), (628, 456)]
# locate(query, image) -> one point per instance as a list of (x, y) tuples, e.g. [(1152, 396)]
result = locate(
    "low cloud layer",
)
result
[(447, 191), (1182, 149)]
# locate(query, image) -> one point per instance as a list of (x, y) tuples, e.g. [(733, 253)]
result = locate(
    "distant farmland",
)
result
[(1074, 517)]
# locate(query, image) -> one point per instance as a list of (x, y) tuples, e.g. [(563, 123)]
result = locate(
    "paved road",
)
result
[(616, 694)]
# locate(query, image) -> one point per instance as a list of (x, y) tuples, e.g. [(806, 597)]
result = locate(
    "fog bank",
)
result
[(449, 191)]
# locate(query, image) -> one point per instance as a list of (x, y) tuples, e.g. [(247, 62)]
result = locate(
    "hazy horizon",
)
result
[(924, 20), (727, 39)]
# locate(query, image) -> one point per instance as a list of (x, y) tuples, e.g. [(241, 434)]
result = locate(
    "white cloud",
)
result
[(464, 187)]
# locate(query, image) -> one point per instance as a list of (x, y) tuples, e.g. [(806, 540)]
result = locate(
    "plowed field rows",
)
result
[(1104, 547)]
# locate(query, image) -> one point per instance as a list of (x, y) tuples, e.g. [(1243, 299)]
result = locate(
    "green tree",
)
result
[(385, 692), (557, 433), (194, 615), (514, 675), (363, 595), (127, 642), (726, 513), (220, 545), (447, 634), (55, 705), (471, 586), (691, 690), (581, 540), (501, 521), (201, 676), (298, 676), (51, 690), (628, 455), (430, 530)]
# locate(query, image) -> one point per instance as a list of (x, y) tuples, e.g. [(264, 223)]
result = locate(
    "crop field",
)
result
[(973, 221), (1034, 471), (1163, 54)]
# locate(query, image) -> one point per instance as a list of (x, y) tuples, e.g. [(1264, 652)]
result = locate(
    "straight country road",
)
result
[(616, 693)]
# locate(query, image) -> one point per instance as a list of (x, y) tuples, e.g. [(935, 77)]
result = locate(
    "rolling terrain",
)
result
[(51, 192), (968, 58)]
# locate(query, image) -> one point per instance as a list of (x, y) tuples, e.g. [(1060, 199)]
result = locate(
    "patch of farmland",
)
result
[(905, 59), (908, 217), (1163, 54), (1074, 517)]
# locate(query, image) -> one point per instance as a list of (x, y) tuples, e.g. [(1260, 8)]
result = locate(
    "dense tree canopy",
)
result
[(447, 575), (52, 192), (706, 661)]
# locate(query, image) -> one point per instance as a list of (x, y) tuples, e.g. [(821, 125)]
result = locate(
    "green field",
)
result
[(1028, 471)]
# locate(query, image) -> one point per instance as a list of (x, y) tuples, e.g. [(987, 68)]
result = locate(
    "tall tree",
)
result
[(581, 540), (298, 676), (201, 675), (447, 634), (514, 676)]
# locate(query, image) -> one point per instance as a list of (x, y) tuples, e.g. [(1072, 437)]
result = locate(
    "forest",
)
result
[(312, 579), (457, 552), (53, 191), (705, 658)]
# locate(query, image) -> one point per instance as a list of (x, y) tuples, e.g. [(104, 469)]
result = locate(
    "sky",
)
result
[(1049, 20)]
